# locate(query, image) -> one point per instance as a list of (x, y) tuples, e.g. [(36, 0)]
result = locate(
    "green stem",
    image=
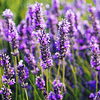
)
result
[(96, 82), (58, 68), (47, 80), (26, 94), (63, 73), (16, 75)]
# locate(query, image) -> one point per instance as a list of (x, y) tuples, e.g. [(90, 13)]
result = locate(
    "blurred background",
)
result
[(19, 7)]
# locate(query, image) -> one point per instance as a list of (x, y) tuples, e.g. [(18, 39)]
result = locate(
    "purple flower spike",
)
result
[(91, 96), (23, 74), (95, 60), (7, 14), (9, 73), (70, 16), (62, 42), (55, 7), (51, 96), (40, 83), (45, 51), (6, 93), (38, 16)]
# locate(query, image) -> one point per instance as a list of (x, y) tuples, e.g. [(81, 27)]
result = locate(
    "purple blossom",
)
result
[(23, 74), (6, 93), (40, 83), (70, 16), (51, 96), (7, 14), (62, 40), (8, 77), (38, 16), (31, 61), (45, 51), (95, 60), (55, 7)]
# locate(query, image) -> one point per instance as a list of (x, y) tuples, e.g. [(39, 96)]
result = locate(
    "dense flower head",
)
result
[(95, 97), (7, 14), (51, 96), (57, 86), (6, 93), (40, 83), (45, 51), (95, 60), (62, 42), (95, 22), (38, 16), (23, 74), (51, 23), (91, 96), (8, 77), (30, 59), (55, 7), (70, 16), (13, 35)]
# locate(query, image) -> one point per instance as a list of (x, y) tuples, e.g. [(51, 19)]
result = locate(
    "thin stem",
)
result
[(96, 82), (63, 73), (47, 80), (16, 75), (58, 68), (26, 94)]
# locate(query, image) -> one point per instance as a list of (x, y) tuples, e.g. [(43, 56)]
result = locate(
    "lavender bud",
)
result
[(40, 83), (6, 93), (70, 16), (62, 40), (45, 51)]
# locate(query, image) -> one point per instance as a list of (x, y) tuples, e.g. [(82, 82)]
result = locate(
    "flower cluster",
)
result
[(62, 40), (6, 93), (70, 16), (45, 51), (8, 16), (95, 60), (41, 85), (31, 61), (8, 77), (55, 7), (23, 74), (10, 30), (38, 16), (57, 86), (93, 97)]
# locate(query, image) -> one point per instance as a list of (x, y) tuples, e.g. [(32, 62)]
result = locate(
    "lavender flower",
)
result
[(95, 97), (31, 61), (95, 60), (38, 17), (8, 16), (6, 93), (23, 74), (45, 51), (91, 96), (95, 22), (57, 86), (8, 77), (51, 96), (62, 40), (40, 83), (13, 35), (55, 7), (70, 16)]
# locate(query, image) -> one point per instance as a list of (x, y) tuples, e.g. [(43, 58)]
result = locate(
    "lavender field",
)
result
[(50, 50)]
